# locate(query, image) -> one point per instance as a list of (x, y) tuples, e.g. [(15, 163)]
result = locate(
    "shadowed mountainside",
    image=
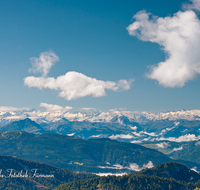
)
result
[(24, 174)]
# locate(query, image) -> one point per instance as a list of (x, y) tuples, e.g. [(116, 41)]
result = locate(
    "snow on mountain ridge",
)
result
[(10, 115)]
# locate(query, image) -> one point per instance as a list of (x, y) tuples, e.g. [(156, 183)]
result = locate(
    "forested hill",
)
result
[(173, 170), (18, 174), (161, 177)]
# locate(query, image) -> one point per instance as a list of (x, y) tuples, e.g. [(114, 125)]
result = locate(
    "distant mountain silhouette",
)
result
[(23, 125)]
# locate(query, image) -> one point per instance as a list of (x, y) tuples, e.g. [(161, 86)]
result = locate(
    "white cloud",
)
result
[(122, 136), (112, 174), (194, 169), (146, 139), (134, 128), (43, 63), (148, 165), (115, 167), (135, 167), (70, 135), (179, 37), (132, 166), (195, 4), (55, 108), (184, 138), (162, 145), (138, 134), (150, 134), (75, 85), (72, 85), (95, 136), (176, 123), (167, 129), (142, 133), (177, 149)]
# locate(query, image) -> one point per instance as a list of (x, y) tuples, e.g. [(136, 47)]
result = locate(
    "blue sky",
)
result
[(91, 38)]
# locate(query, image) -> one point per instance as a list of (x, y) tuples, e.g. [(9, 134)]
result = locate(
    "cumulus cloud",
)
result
[(43, 63), (55, 108), (72, 85), (179, 37), (75, 85)]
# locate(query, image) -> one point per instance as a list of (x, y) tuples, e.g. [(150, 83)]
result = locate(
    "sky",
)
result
[(134, 55)]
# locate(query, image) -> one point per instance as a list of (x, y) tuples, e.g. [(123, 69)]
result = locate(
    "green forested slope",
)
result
[(134, 182), (75, 153), (173, 170), (190, 152)]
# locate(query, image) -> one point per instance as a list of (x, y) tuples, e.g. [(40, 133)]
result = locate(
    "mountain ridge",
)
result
[(13, 114)]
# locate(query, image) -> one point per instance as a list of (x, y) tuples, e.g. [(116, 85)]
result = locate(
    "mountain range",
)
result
[(179, 139), (162, 130), (107, 147), (9, 114)]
